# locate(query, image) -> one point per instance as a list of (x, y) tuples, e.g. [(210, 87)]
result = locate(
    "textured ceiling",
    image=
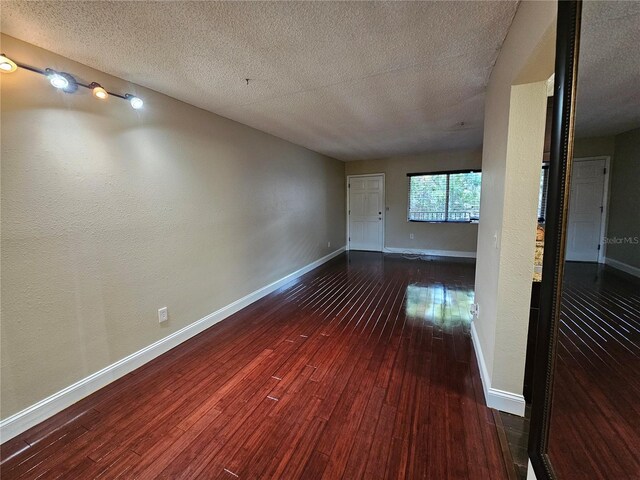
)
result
[(608, 100), (348, 79)]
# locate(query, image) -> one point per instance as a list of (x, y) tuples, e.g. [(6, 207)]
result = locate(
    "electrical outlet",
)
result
[(475, 310), (328, 244), (163, 315), (411, 236)]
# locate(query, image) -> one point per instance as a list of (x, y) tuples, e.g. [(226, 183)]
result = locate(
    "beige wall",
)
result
[(426, 236), (516, 241), (511, 158), (624, 199), (109, 214), (594, 147)]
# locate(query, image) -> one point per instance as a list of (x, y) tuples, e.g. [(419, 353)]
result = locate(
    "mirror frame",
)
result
[(566, 72)]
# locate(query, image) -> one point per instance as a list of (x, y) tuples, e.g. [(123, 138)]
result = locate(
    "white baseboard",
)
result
[(40, 411), (495, 398), (435, 253), (635, 271)]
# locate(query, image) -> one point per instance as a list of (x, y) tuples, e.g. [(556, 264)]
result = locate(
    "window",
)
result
[(444, 196), (542, 199)]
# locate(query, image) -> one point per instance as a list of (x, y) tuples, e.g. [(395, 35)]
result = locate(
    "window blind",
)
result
[(444, 196)]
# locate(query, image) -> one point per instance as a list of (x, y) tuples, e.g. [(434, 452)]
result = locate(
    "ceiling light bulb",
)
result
[(7, 65), (136, 103), (100, 92), (58, 81)]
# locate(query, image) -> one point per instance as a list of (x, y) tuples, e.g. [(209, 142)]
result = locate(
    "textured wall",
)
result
[(525, 147), (513, 136), (624, 198), (428, 236), (109, 214), (594, 147)]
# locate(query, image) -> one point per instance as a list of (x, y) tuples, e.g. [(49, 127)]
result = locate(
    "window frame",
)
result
[(447, 173)]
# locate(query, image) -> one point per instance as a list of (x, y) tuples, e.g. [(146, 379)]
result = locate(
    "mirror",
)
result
[(586, 410), (594, 429)]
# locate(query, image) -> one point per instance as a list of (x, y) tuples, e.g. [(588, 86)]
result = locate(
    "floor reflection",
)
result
[(595, 421), (439, 305)]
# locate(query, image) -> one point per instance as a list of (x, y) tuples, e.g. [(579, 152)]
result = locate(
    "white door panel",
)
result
[(358, 203), (366, 213), (585, 210)]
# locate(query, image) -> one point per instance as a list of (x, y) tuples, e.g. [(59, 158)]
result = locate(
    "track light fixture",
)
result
[(58, 81), (7, 65), (98, 91), (62, 80), (136, 102), (67, 83)]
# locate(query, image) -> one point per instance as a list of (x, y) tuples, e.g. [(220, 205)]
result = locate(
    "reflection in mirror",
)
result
[(594, 430)]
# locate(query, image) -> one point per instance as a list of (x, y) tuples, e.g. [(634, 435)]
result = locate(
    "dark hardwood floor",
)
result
[(515, 440), (595, 423), (363, 368)]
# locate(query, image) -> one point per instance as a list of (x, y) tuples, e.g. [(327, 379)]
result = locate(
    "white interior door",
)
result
[(366, 212), (584, 220)]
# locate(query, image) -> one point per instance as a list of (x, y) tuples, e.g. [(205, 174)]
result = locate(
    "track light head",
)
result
[(62, 80), (136, 102), (7, 65), (58, 81), (98, 91)]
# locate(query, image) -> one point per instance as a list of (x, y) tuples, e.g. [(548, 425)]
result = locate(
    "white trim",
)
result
[(604, 219), (36, 413), (435, 253), (384, 204), (495, 398), (347, 185), (625, 267)]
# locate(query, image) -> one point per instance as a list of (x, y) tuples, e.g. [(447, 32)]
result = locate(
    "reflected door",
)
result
[(585, 211), (366, 212)]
